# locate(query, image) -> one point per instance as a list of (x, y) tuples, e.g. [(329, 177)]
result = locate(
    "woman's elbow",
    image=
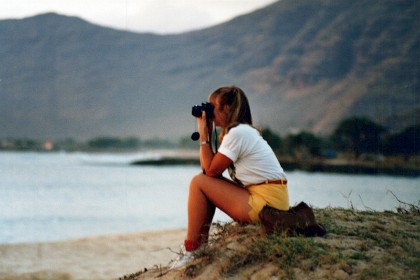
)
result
[(213, 173)]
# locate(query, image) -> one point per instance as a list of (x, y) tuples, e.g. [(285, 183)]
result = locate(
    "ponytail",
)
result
[(236, 99)]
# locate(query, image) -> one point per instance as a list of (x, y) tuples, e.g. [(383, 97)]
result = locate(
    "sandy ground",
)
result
[(103, 257)]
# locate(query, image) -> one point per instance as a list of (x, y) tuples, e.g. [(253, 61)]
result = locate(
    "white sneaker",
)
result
[(182, 260)]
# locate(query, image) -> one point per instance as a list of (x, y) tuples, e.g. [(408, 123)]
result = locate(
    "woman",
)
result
[(258, 178)]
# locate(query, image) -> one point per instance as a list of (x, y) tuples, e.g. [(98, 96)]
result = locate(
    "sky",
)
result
[(157, 16)]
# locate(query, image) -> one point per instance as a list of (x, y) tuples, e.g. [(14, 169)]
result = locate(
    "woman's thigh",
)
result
[(225, 195)]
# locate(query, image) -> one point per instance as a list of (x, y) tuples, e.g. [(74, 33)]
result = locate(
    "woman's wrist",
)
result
[(204, 138)]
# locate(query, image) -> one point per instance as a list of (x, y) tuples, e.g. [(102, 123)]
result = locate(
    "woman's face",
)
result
[(220, 113)]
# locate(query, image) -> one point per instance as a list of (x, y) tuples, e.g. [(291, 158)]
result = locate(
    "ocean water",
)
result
[(58, 196)]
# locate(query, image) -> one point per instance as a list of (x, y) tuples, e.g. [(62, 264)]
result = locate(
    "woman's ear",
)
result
[(226, 109)]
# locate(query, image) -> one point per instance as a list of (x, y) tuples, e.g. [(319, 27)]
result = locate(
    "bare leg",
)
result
[(204, 234), (205, 194)]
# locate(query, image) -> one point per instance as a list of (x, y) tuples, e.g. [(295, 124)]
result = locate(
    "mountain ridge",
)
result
[(303, 64)]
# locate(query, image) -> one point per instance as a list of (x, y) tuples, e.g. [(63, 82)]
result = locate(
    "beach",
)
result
[(101, 257), (358, 245)]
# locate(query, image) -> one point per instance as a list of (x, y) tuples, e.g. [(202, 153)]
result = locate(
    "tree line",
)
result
[(95, 144), (355, 136)]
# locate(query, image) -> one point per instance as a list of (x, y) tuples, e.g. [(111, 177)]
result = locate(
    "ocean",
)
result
[(59, 195)]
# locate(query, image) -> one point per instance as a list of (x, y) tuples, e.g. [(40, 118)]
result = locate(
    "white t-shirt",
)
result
[(253, 158)]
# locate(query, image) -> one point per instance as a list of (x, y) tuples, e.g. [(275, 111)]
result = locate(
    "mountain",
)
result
[(303, 64)]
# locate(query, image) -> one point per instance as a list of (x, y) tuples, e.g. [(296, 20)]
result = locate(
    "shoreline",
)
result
[(324, 166), (98, 257)]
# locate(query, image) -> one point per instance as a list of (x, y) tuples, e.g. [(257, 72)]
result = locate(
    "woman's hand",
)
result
[(213, 164), (202, 127)]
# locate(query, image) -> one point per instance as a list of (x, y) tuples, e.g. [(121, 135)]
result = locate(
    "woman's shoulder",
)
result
[(243, 129)]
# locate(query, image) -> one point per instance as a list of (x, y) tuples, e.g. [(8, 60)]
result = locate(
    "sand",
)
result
[(102, 257)]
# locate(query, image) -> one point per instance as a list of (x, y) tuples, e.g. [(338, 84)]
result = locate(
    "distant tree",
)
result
[(26, 144), (358, 135), (113, 142), (130, 142), (186, 143), (304, 143), (104, 142), (158, 143), (272, 139), (406, 143)]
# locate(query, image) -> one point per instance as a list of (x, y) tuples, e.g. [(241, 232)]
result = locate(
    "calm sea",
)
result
[(57, 196)]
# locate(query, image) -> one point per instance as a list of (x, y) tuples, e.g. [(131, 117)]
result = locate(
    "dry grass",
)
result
[(359, 245)]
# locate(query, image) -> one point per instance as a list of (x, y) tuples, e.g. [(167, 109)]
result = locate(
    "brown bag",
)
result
[(299, 219)]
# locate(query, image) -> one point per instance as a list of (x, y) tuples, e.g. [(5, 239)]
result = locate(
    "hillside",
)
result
[(304, 65), (358, 245)]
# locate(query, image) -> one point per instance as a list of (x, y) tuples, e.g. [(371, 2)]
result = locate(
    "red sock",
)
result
[(191, 245)]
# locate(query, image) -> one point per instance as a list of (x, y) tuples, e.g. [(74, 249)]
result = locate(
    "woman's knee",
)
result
[(197, 181)]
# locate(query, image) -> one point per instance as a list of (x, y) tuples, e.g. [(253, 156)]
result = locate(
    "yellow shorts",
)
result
[(274, 195)]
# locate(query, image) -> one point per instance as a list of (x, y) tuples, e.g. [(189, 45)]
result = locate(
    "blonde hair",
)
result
[(236, 99)]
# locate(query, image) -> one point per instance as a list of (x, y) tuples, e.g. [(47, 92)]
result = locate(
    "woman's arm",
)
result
[(213, 165)]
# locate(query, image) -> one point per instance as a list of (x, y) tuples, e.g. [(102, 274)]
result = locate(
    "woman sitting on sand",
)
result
[(258, 178)]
